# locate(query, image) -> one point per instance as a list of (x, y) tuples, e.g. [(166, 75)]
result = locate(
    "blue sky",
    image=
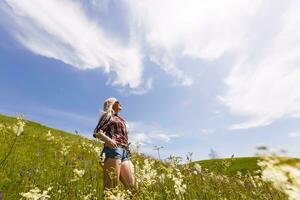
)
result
[(191, 76)]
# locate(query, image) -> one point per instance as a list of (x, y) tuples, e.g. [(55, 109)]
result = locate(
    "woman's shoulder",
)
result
[(105, 117)]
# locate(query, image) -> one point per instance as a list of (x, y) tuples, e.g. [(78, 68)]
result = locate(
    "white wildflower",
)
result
[(283, 176), (49, 133), (162, 178), (83, 145), (35, 194), (179, 186), (198, 167), (79, 173), (147, 175), (97, 150), (50, 188), (239, 181), (91, 146), (49, 136), (18, 128), (65, 150), (117, 194), (88, 196), (239, 174)]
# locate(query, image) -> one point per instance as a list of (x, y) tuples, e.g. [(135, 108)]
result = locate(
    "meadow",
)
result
[(38, 162)]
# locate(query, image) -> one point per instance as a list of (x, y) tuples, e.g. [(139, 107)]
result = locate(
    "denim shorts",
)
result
[(118, 153)]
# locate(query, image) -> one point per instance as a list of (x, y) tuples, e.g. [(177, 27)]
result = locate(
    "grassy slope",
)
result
[(238, 164), (36, 161), (33, 144)]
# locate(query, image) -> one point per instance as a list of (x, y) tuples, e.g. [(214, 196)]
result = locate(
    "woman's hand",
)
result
[(108, 141), (97, 135), (111, 144)]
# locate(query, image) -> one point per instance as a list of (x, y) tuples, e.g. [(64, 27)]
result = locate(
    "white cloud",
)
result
[(140, 138), (168, 65), (60, 29), (262, 37), (143, 89), (294, 135), (148, 134), (165, 137), (174, 29), (263, 84), (207, 131)]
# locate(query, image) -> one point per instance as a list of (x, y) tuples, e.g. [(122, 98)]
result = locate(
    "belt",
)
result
[(123, 145), (126, 147)]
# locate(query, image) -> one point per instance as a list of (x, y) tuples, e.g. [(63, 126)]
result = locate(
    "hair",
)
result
[(107, 107)]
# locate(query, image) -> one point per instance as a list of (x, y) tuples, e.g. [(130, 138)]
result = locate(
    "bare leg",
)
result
[(127, 174), (111, 172)]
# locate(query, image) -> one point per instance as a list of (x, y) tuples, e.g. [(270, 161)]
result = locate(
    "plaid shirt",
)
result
[(114, 127)]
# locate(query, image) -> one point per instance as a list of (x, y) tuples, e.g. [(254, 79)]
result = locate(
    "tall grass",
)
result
[(37, 162)]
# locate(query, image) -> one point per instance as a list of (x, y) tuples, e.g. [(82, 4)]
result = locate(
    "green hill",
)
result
[(53, 164), (230, 166)]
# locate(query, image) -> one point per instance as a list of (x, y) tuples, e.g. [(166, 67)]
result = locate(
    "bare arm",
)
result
[(100, 135), (111, 143), (99, 131)]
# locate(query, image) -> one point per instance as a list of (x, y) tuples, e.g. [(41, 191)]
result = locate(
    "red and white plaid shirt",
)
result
[(114, 127)]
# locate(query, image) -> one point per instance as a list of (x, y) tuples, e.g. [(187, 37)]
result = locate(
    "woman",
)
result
[(111, 129)]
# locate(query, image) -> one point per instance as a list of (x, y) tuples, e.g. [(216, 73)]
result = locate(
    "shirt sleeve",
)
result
[(103, 123)]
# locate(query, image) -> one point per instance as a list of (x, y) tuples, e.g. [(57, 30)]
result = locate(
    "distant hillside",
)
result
[(244, 165), (232, 165)]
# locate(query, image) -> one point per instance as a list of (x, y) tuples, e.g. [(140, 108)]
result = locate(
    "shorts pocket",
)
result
[(112, 153)]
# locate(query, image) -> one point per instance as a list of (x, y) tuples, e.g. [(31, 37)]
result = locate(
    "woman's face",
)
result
[(117, 107)]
